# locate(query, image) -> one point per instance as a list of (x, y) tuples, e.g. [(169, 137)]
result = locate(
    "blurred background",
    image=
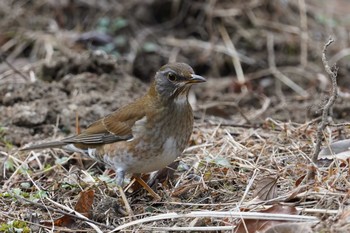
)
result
[(262, 58)]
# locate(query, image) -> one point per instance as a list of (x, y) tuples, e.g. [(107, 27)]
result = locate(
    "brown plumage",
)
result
[(145, 135)]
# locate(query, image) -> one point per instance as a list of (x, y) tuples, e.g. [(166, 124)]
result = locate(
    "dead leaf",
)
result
[(266, 188), (296, 191), (84, 203), (252, 225), (336, 150), (300, 179), (83, 206), (64, 221), (290, 228)]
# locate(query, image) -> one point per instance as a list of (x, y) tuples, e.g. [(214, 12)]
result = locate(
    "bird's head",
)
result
[(174, 80)]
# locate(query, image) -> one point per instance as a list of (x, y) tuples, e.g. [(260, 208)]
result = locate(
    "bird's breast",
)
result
[(158, 139), (166, 127)]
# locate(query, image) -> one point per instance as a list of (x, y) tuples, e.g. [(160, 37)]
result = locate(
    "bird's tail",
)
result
[(54, 144)]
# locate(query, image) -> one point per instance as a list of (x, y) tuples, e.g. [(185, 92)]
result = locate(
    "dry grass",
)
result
[(220, 173)]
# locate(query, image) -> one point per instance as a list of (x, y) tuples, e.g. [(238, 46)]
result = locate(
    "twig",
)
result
[(3, 58), (345, 124), (220, 214), (198, 44), (266, 104), (260, 22), (231, 12), (235, 59), (82, 218), (192, 228), (248, 187), (259, 205), (325, 112), (303, 35), (278, 74)]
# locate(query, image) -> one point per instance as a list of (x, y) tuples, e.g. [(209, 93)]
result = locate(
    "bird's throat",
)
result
[(181, 99)]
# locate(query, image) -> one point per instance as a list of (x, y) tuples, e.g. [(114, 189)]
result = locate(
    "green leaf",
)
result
[(25, 185), (17, 191), (104, 22), (222, 161), (106, 178), (9, 165), (119, 23), (120, 40), (62, 160), (150, 47)]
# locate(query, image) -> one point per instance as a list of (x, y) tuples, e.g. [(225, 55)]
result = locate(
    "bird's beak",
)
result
[(196, 79)]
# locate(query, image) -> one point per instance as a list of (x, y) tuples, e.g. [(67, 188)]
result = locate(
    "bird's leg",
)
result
[(146, 186), (120, 179)]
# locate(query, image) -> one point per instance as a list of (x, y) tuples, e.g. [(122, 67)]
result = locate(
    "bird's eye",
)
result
[(172, 77)]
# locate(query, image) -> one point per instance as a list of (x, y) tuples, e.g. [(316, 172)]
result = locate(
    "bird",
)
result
[(145, 135)]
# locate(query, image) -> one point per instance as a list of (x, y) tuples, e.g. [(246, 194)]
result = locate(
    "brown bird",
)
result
[(145, 135)]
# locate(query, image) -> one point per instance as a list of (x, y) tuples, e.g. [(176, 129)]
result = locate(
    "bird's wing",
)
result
[(116, 126)]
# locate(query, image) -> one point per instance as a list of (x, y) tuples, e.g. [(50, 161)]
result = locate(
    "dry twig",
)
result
[(278, 74), (70, 213), (219, 214), (303, 34), (4, 59), (235, 59), (326, 110)]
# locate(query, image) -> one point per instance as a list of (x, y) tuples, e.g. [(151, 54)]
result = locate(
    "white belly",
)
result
[(160, 160), (133, 163)]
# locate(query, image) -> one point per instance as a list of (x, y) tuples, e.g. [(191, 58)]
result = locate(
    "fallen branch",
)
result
[(326, 110), (219, 214)]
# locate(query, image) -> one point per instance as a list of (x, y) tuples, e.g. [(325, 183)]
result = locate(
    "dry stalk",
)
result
[(303, 34), (217, 214), (326, 110), (4, 59), (235, 59), (67, 211), (278, 74)]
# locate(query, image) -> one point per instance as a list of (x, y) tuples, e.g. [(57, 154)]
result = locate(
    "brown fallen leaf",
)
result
[(252, 225), (64, 221), (83, 206), (84, 203), (300, 179), (266, 188)]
